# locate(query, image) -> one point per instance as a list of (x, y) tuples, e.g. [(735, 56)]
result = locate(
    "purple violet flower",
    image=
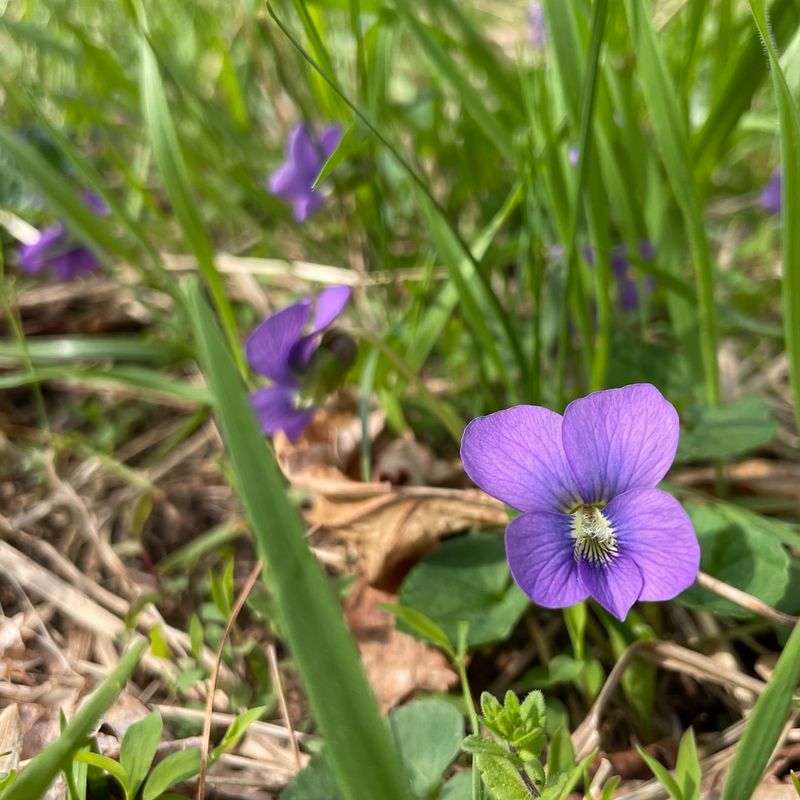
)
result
[(537, 30), (305, 156), (770, 197), (620, 264), (298, 364), (56, 250), (592, 523)]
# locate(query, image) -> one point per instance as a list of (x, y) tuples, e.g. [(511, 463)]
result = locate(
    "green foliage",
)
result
[(708, 433), (43, 768), (427, 734), (742, 550), (764, 724), (510, 765), (465, 580), (685, 783)]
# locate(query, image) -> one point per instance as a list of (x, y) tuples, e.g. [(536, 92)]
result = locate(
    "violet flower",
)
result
[(302, 368), (57, 250), (627, 286), (305, 156), (537, 30), (770, 197), (592, 523)]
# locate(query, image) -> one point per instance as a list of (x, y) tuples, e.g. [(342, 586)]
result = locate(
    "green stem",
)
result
[(473, 724)]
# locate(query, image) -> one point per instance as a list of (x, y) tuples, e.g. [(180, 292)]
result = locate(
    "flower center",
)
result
[(594, 537)]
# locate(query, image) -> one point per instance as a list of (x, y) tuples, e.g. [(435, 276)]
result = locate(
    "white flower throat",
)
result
[(594, 537)]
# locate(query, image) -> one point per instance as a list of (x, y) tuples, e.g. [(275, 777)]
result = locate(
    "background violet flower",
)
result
[(592, 521), (770, 198), (305, 156), (57, 251), (280, 351), (537, 31)]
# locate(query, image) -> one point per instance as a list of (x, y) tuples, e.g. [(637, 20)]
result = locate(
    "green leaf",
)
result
[(687, 769), (560, 755), (765, 724), (42, 769), (238, 728), (662, 775), (176, 767), (610, 787), (746, 556), (502, 777), (459, 787), (708, 433), (358, 743), (466, 579), (428, 735), (313, 782), (108, 765), (421, 625), (138, 749)]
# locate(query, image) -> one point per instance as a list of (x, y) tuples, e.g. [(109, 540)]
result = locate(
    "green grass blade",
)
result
[(169, 158), (765, 724), (358, 744), (789, 117), (43, 768), (672, 139)]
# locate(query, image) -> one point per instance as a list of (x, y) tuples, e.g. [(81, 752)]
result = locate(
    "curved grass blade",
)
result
[(765, 723), (43, 768), (358, 744), (789, 117)]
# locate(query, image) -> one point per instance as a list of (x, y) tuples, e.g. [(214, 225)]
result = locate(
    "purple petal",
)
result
[(616, 585), (537, 31), (287, 182), (619, 260), (770, 197), (329, 139), (276, 411), (516, 455), (95, 202), (268, 346), (34, 257), (303, 151), (73, 263), (628, 293), (647, 252), (654, 530), (539, 549), (619, 439), (330, 303), (307, 205)]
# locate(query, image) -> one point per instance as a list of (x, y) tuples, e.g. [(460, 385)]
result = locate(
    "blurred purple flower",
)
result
[(592, 523), (620, 264), (573, 155), (305, 156), (56, 249), (537, 31), (278, 350), (770, 198)]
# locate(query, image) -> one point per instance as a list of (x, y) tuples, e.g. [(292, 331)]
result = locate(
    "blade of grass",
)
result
[(169, 158), (358, 745), (673, 142), (789, 117), (765, 723), (45, 766)]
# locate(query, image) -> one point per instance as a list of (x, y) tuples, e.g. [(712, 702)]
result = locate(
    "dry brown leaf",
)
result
[(397, 664), (388, 527)]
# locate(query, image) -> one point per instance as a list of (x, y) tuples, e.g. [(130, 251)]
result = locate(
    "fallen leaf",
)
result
[(10, 738), (396, 664), (388, 527)]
